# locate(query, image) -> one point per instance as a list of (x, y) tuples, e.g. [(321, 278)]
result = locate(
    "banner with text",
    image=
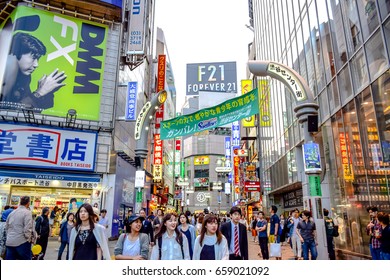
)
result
[(227, 112)]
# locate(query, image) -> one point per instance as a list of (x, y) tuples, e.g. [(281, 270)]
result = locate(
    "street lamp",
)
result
[(184, 185)]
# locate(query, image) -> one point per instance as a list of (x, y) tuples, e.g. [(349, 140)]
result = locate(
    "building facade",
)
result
[(341, 49)]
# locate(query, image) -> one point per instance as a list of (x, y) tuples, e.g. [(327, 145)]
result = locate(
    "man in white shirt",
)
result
[(103, 220)]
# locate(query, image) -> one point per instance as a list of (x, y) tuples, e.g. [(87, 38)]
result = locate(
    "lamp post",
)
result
[(223, 167), (183, 184), (142, 126)]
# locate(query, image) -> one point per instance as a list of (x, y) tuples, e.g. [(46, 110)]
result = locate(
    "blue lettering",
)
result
[(74, 149), (39, 145), (5, 142)]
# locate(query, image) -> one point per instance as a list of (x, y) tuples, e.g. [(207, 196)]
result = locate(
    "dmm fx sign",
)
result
[(216, 76)]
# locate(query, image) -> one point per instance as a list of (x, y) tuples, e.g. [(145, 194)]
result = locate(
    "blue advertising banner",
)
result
[(117, 3), (131, 101), (312, 158)]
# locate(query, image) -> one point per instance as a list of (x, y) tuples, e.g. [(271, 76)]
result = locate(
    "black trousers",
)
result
[(234, 257), (263, 242), (330, 244)]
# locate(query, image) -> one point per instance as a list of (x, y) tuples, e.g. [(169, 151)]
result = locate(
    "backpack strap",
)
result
[(181, 244), (159, 247)]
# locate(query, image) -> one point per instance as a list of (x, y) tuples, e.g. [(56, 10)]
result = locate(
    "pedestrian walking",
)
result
[(211, 244), (88, 240), (306, 231), (171, 244), (330, 230), (132, 245), (253, 228), (64, 237), (261, 228), (236, 235), (296, 243), (188, 230), (147, 227), (42, 227), (20, 232), (374, 230)]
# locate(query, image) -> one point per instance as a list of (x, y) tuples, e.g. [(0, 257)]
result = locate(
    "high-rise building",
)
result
[(341, 49)]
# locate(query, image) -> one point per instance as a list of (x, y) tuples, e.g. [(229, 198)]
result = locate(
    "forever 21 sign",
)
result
[(293, 199), (216, 76)]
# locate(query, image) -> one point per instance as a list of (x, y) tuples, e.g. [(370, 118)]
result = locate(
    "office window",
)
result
[(345, 87), (386, 29), (324, 105), (359, 71), (334, 97), (384, 8), (352, 25), (376, 55), (368, 16)]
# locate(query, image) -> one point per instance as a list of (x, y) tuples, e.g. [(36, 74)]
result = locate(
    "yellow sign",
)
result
[(201, 160), (246, 86), (157, 172), (265, 118)]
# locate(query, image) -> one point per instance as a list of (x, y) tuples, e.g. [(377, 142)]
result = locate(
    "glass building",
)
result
[(340, 47)]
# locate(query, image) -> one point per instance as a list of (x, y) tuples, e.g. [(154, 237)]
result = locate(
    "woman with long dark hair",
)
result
[(88, 239), (211, 244), (170, 243), (66, 229), (188, 230)]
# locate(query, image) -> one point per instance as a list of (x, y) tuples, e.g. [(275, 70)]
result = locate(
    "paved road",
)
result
[(254, 249)]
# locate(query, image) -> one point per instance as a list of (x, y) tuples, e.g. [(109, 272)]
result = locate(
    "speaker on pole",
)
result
[(137, 162), (312, 123)]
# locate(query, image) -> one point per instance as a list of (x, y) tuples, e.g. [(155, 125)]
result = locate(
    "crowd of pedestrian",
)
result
[(202, 236)]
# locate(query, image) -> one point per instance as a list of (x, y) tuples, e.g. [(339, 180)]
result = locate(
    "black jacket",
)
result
[(148, 229), (42, 226), (226, 229)]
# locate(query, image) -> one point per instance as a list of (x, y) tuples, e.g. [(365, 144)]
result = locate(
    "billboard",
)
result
[(215, 76), (136, 27), (117, 3), (42, 147), (312, 158), (53, 63)]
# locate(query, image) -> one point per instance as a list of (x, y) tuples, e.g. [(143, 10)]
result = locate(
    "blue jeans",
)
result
[(375, 253), (385, 256), (21, 252), (309, 245), (61, 250)]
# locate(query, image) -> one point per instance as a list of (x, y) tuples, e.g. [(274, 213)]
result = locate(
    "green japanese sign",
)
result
[(139, 196), (315, 185), (51, 63), (227, 112)]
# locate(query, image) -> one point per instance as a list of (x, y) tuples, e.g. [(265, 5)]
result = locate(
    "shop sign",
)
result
[(228, 155), (137, 22), (201, 160), (246, 86), (252, 186), (43, 147), (347, 167), (131, 101), (265, 117), (293, 199)]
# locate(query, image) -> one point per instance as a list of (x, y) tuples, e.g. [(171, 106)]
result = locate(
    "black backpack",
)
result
[(160, 244)]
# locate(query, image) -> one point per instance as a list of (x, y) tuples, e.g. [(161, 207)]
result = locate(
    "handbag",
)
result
[(275, 250), (335, 231)]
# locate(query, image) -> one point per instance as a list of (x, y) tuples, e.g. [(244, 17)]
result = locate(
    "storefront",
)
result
[(49, 189)]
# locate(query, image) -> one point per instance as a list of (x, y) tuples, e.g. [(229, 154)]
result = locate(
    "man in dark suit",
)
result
[(236, 236), (147, 227)]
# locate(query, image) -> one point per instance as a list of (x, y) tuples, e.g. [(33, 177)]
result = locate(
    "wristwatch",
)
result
[(36, 94)]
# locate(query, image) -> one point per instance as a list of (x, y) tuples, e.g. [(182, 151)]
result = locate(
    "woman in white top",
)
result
[(170, 243), (132, 245), (211, 244)]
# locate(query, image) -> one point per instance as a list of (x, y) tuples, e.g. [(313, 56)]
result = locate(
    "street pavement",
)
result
[(253, 248)]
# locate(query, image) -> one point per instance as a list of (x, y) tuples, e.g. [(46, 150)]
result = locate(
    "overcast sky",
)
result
[(202, 31)]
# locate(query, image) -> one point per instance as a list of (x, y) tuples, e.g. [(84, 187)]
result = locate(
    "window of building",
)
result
[(345, 87), (359, 71), (337, 31), (386, 29), (352, 25), (376, 56), (368, 16), (324, 105), (334, 97), (384, 8)]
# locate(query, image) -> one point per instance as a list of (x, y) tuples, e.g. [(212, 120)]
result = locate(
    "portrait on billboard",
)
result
[(53, 63)]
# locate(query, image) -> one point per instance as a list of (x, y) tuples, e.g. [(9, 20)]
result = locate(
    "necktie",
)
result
[(236, 247)]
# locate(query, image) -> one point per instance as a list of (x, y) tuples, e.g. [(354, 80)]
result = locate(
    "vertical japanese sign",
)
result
[(136, 27), (347, 167), (265, 118), (315, 185), (177, 157), (236, 145), (158, 156), (68, 55), (228, 155), (246, 86), (131, 101), (160, 86), (22, 145)]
